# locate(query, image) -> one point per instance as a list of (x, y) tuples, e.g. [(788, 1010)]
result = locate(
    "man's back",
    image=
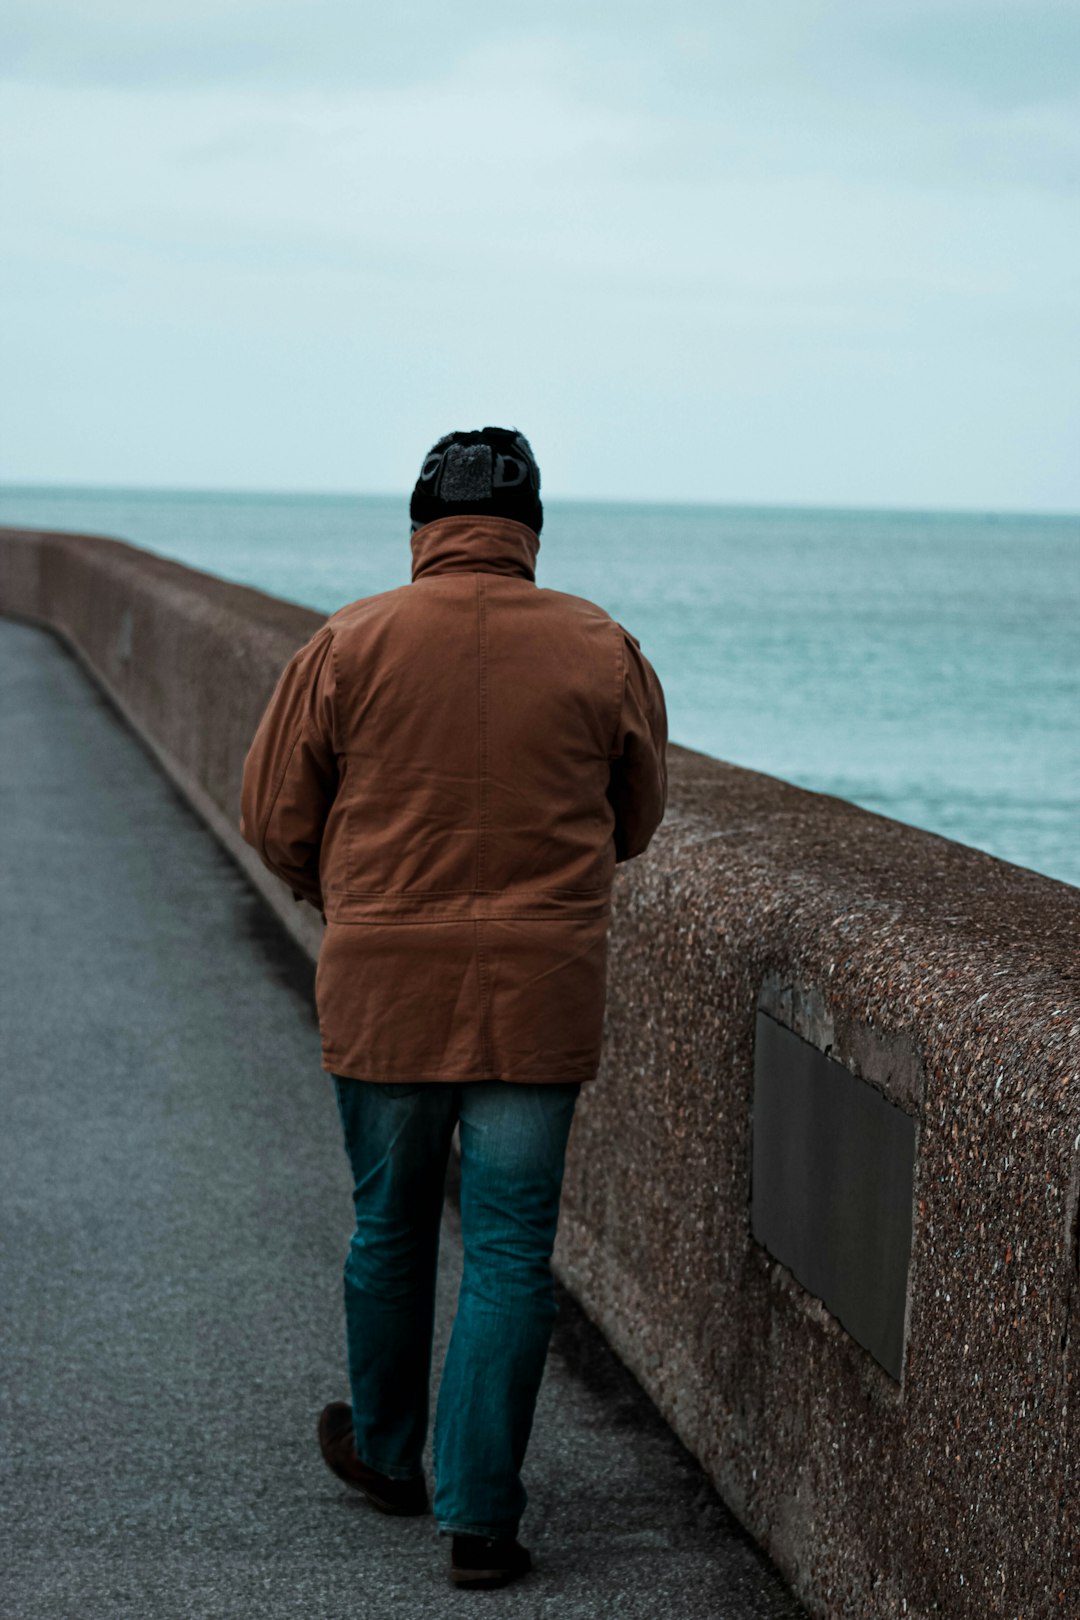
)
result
[(477, 720)]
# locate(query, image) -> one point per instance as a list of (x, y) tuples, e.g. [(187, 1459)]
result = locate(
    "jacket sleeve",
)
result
[(290, 773), (637, 789)]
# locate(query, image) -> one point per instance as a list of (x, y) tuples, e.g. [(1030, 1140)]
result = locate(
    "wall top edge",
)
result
[(243, 601)]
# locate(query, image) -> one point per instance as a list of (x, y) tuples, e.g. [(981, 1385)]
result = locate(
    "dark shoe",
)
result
[(338, 1446), (487, 1560)]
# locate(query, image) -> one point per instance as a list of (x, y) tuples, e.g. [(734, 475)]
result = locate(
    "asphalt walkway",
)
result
[(174, 1212)]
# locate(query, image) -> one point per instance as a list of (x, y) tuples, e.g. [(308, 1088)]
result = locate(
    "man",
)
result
[(450, 772)]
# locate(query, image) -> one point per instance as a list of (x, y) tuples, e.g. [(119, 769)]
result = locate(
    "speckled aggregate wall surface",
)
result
[(948, 979), (951, 980)]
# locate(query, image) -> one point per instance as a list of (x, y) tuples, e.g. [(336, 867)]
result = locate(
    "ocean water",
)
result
[(925, 665)]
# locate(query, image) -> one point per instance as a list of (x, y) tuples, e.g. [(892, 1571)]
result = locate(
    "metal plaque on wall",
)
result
[(831, 1186)]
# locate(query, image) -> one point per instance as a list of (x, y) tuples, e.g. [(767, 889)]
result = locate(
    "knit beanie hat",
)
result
[(491, 471)]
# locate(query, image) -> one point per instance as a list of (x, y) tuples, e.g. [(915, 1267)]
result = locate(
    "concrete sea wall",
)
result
[(787, 972)]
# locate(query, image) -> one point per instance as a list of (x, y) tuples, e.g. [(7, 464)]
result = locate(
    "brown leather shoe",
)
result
[(338, 1446), (487, 1560)]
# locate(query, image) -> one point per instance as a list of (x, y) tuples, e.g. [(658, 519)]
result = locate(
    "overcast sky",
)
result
[(803, 251)]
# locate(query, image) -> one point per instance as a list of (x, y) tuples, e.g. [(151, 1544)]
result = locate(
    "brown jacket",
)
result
[(450, 772)]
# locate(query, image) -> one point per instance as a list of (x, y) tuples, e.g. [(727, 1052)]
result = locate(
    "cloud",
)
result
[(122, 44), (1009, 52), (716, 212), (1005, 56)]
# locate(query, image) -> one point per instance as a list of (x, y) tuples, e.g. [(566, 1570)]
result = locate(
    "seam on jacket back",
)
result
[(620, 681), (482, 999), (422, 894), (431, 918), (284, 770), (482, 815), (481, 730), (334, 694)]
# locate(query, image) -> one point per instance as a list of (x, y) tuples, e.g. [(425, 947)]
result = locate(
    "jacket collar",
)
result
[(475, 545)]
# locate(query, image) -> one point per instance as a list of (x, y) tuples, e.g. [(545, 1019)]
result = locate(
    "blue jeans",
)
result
[(513, 1147)]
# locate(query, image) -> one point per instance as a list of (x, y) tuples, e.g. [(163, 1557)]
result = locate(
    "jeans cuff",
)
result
[(492, 1532), (392, 1472)]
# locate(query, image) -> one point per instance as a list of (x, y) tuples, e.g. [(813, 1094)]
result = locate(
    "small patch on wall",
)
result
[(125, 637)]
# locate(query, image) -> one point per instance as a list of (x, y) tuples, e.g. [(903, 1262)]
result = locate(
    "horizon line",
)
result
[(730, 504)]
